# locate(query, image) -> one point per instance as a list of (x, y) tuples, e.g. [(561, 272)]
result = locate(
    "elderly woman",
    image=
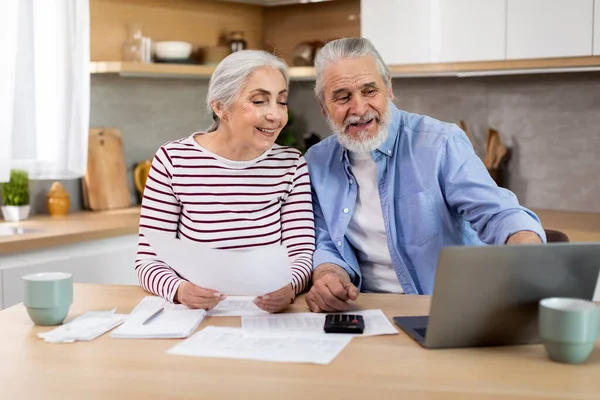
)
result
[(232, 187)]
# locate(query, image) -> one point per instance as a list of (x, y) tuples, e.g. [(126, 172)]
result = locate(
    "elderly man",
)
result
[(391, 188)]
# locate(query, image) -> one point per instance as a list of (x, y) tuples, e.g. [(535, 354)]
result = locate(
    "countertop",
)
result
[(88, 225), (76, 227)]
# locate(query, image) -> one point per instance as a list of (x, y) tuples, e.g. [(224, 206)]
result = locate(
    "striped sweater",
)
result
[(196, 195)]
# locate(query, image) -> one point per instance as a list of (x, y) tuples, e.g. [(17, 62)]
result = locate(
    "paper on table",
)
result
[(236, 306), (85, 327), (222, 342), (232, 306), (311, 324), (170, 324), (252, 272)]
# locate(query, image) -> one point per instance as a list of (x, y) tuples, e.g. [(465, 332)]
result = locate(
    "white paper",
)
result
[(311, 324), (170, 324), (252, 272), (236, 306), (86, 327), (221, 342), (232, 306)]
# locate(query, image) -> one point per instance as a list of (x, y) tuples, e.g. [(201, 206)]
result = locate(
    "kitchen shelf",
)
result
[(465, 69), (155, 70)]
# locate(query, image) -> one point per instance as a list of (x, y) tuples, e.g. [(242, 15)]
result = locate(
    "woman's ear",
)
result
[(218, 109)]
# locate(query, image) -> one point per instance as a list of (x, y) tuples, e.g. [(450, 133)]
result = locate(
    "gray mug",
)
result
[(48, 297), (568, 328)]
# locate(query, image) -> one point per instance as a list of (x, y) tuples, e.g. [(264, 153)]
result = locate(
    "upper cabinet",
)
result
[(419, 31), (597, 28), (467, 30), (399, 29), (545, 29)]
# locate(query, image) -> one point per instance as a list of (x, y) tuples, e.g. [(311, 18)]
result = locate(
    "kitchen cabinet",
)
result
[(597, 28), (398, 29), (106, 261), (545, 29), (468, 30), (416, 31)]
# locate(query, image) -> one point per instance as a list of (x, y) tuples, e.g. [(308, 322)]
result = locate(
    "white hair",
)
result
[(346, 48), (231, 75)]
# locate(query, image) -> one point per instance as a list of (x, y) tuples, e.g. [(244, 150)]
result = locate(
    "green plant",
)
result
[(16, 191), (287, 136)]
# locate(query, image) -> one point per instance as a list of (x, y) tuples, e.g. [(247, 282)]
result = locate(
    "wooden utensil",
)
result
[(105, 182), (463, 126)]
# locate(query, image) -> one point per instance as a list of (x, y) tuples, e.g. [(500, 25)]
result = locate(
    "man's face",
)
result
[(356, 103)]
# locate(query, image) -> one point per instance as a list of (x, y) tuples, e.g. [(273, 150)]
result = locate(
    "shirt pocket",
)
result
[(417, 217)]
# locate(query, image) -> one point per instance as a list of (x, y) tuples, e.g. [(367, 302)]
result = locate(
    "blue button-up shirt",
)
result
[(434, 191)]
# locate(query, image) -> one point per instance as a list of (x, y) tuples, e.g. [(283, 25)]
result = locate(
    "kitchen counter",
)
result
[(87, 225), (46, 231), (579, 226)]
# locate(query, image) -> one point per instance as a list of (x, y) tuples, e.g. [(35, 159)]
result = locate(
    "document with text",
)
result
[(311, 324), (232, 306), (219, 342)]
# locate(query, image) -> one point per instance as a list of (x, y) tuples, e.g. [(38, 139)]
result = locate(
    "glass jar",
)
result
[(237, 41), (133, 48)]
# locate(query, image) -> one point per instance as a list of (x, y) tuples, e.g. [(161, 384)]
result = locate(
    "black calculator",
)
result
[(344, 323)]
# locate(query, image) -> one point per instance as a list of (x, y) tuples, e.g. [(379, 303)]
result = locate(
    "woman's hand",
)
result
[(196, 297), (276, 301)]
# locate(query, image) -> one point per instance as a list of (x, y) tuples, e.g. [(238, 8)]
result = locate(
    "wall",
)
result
[(287, 26), (551, 121), (200, 22)]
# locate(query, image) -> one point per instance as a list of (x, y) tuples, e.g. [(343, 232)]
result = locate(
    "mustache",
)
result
[(355, 119)]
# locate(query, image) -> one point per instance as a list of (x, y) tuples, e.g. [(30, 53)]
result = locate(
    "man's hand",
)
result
[(331, 289), (196, 297), (276, 301), (524, 237)]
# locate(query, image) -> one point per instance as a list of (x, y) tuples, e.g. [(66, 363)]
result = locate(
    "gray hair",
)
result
[(346, 48), (231, 74)]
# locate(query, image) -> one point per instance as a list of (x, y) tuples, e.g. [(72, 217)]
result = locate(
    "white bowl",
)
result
[(172, 50)]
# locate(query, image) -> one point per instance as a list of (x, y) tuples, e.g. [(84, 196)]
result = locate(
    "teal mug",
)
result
[(48, 297), (568, 328)]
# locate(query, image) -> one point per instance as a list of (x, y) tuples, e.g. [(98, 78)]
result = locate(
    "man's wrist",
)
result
[(329, 268)]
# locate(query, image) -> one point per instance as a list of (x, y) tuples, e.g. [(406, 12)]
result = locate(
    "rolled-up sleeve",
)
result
[(493, 212)]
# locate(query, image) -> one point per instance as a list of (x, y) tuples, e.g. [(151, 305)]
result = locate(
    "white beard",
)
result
[(363, 143)]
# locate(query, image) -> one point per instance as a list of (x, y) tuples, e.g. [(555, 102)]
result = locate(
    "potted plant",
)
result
[(15, 196)]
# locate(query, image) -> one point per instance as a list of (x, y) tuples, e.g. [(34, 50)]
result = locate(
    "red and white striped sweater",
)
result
[(196, 195)]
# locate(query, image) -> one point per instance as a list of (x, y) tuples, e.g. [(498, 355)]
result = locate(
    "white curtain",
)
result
[(44, 87)]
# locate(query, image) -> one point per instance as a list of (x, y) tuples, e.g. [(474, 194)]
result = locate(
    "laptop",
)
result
[(489, 295)]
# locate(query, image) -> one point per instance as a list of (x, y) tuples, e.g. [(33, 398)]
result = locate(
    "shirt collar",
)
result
[(388, 146)]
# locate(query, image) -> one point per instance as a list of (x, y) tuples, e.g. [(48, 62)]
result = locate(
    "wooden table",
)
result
[(368, 368)]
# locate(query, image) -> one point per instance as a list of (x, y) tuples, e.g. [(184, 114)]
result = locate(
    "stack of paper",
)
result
[(170, 324), (220, 342), (85, 327)]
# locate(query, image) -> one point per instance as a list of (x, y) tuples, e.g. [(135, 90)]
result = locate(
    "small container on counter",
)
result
[(57, 200)]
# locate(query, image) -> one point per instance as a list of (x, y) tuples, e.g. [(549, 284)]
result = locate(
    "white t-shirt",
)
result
[(366, 230)]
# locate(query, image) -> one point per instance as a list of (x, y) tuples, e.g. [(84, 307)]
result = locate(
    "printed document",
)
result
[(222, 342), (311, 324)]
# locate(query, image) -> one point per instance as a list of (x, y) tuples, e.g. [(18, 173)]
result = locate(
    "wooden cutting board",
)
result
[(105, 182)]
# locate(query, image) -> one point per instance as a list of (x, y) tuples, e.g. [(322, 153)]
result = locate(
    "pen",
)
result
[(150, 318)]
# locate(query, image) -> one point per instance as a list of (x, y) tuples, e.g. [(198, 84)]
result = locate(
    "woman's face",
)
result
[(260, 111)]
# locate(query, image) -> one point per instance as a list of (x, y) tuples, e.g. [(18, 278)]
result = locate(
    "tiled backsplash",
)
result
[(551, 121)]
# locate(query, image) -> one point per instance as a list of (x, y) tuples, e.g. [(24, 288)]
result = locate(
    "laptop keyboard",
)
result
[(421, 331)]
